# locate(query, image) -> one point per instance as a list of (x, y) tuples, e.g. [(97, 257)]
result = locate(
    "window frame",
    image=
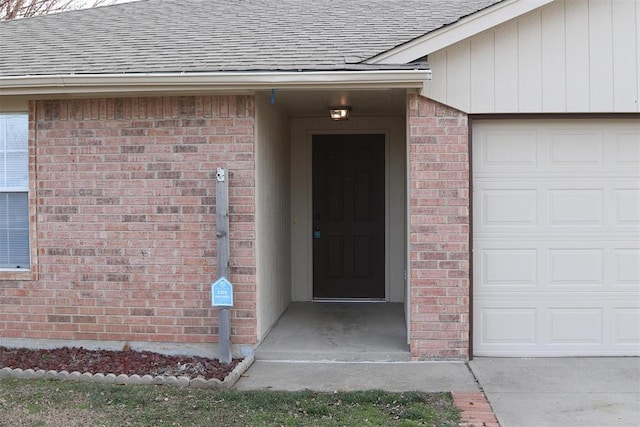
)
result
[(26, 272)]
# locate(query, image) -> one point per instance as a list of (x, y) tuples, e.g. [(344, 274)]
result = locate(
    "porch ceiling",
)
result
[(305, 103)]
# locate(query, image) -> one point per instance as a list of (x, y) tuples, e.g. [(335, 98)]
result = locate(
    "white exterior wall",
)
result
[(571, 56), (273, 230)]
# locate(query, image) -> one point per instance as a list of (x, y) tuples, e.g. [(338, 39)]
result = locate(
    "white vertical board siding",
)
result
[(600, 56), (530, 63), (482, 60), (505, 74), (458, 69), (556, 237), (570, 56), (438, 64), (577, 50), (625, 77), (553, 58)]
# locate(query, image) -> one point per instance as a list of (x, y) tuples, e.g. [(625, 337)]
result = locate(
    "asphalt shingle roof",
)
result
[(154, 36)]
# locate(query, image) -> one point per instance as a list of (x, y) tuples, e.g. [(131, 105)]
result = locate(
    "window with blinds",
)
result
[(14, 191)]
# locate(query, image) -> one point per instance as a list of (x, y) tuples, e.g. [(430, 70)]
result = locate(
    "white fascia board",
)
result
[(240, 82), (460, 30)]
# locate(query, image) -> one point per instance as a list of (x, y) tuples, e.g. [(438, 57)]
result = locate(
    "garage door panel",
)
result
[(627, 153), (548, 328), (576, 266), (572, 207), (560, 205), (499, 150), (556, 232), (627, 267), (507, 262), (626, 324), (576, 149), (560, 145), (570, 325), (504, 207), (627, 206), (510, 267), (513, 325)]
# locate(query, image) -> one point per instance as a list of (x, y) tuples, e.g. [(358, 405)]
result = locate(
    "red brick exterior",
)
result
[(123, 220), (439, 230), (122, 203)]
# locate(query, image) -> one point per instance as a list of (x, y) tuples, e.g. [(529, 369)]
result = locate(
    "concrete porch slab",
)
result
[(347, 332)]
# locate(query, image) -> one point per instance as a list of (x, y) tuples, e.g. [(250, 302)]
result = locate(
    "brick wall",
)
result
[(439, 230), (123, 220)]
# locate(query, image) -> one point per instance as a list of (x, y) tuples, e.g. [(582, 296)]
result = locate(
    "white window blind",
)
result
[(14, 191)]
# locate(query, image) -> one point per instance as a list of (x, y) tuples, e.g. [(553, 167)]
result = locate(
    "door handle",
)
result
[(316, 228)]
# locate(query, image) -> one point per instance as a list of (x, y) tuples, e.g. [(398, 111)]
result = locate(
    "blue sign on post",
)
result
[(222, 293)]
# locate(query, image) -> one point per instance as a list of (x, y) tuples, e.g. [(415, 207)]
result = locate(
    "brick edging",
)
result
[(476, 410), (181, 381)]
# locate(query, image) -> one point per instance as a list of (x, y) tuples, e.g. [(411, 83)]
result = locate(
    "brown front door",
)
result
[(348, 216)]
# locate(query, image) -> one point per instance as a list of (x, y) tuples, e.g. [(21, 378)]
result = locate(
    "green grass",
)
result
[(65, 403)]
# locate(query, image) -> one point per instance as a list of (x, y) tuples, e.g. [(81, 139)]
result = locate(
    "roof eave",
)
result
[(101, 84), (457, 31)]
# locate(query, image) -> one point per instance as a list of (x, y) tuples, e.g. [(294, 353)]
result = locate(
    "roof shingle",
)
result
[(156, 36)]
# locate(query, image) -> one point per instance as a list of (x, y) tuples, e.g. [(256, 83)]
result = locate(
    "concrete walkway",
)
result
[(340, 376), (389, 376), (603, 391), (522, 392)]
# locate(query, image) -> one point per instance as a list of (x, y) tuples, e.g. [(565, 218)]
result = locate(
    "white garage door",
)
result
[(556, 231)]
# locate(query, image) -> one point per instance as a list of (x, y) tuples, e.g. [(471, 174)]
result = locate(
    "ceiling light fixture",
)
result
[(340, 112)]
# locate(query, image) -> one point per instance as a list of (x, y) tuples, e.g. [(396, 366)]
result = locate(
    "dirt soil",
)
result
[(126, 362)]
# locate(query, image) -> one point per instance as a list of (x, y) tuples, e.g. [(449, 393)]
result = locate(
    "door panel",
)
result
[(348, 216)]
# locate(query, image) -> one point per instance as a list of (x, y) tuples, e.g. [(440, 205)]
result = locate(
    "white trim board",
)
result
[(86, 84)]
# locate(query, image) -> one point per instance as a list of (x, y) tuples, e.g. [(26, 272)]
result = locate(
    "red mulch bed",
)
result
[(128, 362)]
